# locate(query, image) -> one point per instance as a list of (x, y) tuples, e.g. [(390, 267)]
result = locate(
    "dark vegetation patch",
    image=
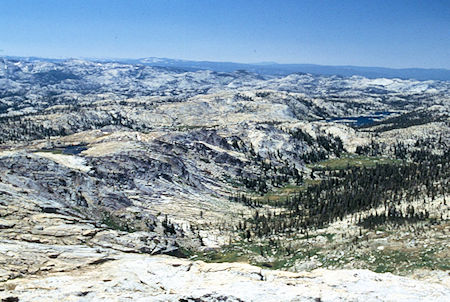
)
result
[(54, 76), (348, 191), (406, 120)]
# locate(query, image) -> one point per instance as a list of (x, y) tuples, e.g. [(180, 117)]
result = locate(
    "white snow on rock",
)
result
[(70, 161)]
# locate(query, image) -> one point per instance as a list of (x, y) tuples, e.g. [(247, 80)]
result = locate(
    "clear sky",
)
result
[(336, 32)]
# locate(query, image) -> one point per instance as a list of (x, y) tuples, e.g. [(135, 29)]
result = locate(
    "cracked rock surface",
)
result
[(132, 277), (108, 170)]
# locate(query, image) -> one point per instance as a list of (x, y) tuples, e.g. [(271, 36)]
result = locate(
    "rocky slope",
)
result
[(102, 159), (125, 277)]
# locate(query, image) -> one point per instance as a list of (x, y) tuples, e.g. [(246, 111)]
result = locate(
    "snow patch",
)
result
[(70, 161)]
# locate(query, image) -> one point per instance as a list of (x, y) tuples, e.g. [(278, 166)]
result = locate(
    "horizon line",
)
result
[(268, 63)]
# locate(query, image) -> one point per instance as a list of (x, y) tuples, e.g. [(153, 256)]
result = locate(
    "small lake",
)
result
[(362, 120), (74, 150), (68, 150)]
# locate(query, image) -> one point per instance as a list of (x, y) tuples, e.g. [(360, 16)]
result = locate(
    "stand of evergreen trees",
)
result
[(357, 189)]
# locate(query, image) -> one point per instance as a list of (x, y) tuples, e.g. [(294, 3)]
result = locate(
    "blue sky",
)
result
[(365, 33)]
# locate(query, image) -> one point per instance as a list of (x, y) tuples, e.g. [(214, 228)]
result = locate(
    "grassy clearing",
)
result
[(349, 160), (193, 127), (262, 253), (53, 151), (116, 223), (340, 249), (231, 253), (332, 253), (403, 261), (278, 195)]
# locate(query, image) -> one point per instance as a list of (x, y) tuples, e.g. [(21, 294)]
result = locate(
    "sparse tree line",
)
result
[(276, 171), (18, 129), (29, 126), (324, 145), (380, 190), (406, 120), (422, 149)]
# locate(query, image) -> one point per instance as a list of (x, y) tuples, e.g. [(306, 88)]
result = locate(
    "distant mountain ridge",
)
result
[(285, 69), (271, 68)]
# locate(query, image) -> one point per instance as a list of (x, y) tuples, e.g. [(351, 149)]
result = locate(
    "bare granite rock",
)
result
[(132, 277)]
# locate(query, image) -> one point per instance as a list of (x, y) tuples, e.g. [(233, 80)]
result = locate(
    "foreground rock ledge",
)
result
[(135, 277)]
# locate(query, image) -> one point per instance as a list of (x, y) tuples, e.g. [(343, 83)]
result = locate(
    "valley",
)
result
[(107, 164)]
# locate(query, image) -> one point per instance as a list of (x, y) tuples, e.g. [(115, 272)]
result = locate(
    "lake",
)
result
[(362, 120)]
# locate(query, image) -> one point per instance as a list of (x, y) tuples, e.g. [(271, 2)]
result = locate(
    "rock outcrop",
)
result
[(107, 170), (129, 277)]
